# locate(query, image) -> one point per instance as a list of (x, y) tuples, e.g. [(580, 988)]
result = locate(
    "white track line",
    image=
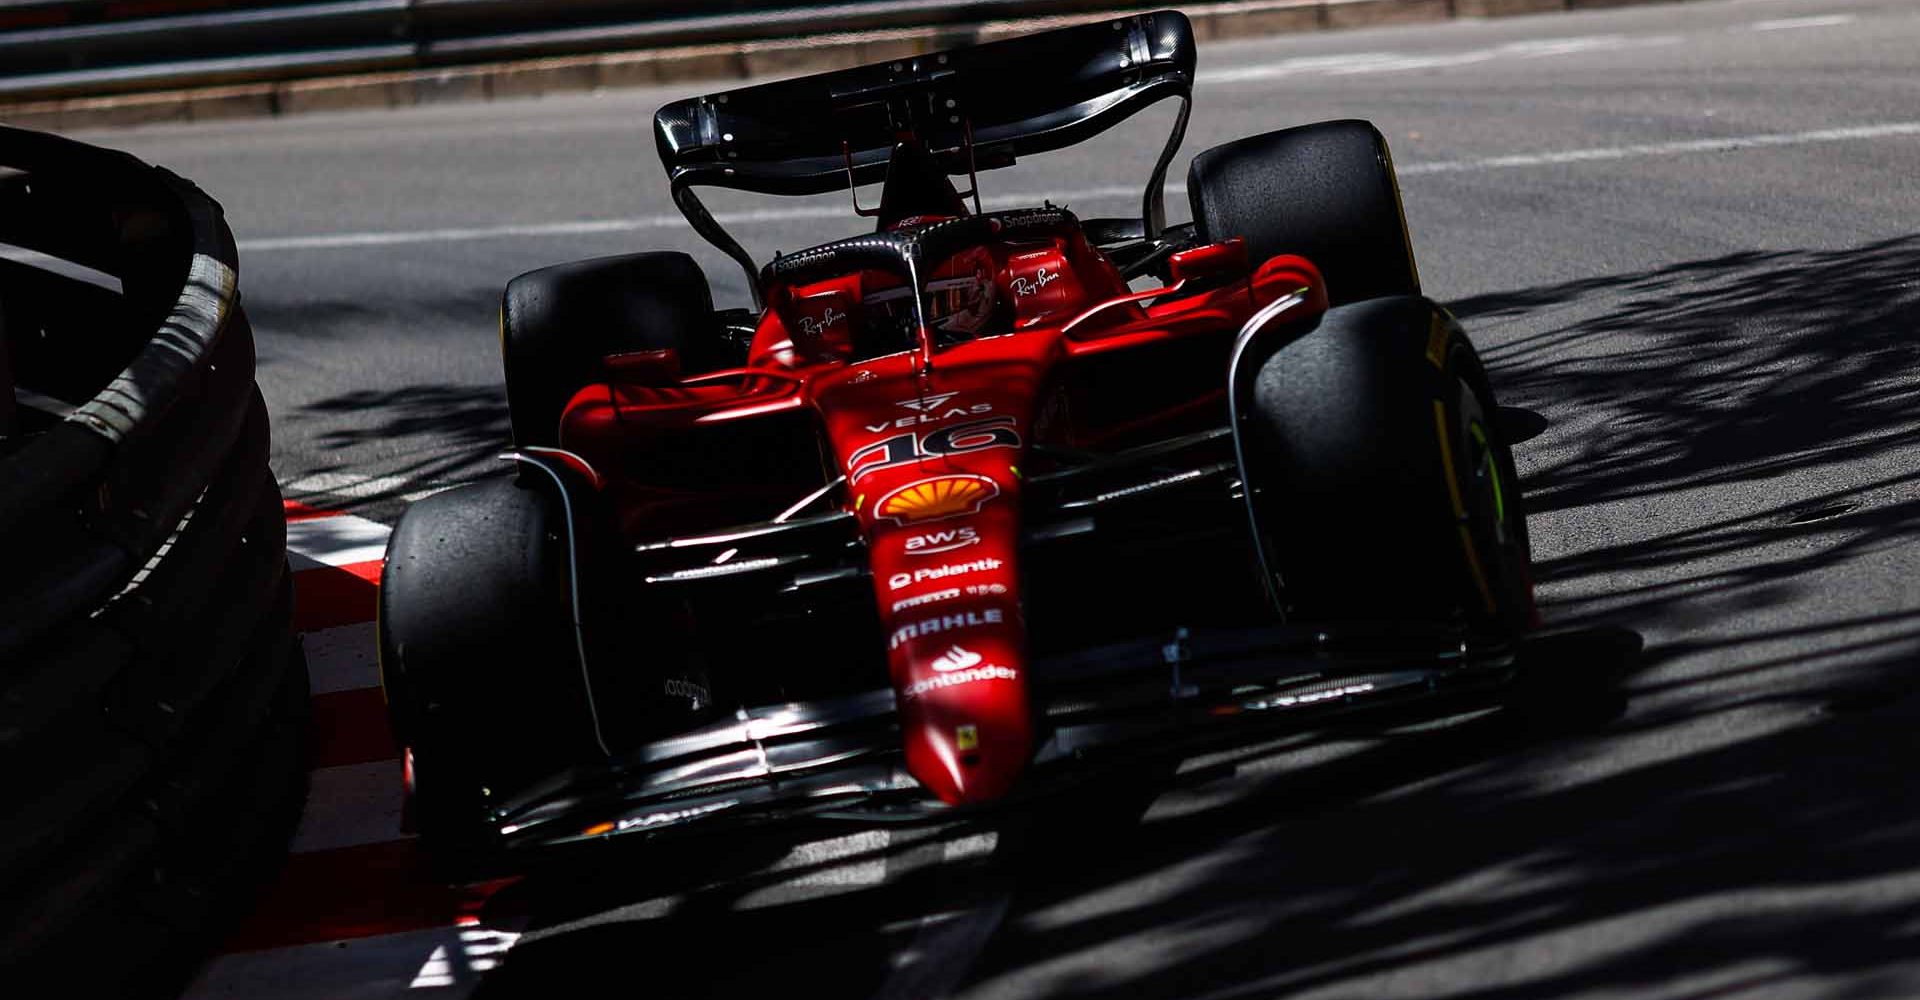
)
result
[(336, 541), (443, 963), (1882, 130), (341, 659), (1360, 63), (1790, 23), (590, 227), (1722, 144)]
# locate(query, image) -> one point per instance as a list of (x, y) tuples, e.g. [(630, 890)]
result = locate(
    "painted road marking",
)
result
[(591, 227), (1361, 63), (335, 541), (1855, 133), (1723, 144), (1815, 21), (388, 965), (351, 914)]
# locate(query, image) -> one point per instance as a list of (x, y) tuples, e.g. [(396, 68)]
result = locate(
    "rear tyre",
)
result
[(1380, 478), (558, 323), (477, 658), (1325, 191)]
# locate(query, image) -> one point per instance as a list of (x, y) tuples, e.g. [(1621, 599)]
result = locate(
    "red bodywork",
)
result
[(934, 440)]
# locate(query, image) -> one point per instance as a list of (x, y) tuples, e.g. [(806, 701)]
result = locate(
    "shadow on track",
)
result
[(1717, 370), (1751, 825), (429, 435)]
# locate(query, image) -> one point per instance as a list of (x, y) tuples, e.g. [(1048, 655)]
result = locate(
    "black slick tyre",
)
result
[(1325, 191), (1381, 484), (558, 323), (477, 657)]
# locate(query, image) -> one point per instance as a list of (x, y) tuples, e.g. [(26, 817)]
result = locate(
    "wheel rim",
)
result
[(1486, 469)]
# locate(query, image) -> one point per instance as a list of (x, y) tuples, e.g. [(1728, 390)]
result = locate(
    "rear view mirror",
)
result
[(1214, 262), (645, 368)]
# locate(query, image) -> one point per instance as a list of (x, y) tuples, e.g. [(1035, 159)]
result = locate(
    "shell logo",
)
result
[(937, 498)]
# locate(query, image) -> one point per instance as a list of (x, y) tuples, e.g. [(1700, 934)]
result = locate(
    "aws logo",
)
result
[(929, 542)]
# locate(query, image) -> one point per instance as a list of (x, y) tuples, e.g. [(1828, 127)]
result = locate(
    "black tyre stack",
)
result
[(152, 700)]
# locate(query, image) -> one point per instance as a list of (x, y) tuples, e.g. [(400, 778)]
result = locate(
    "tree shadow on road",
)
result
[(1717, 370), (1749, 823), (427, 435), (1747, 828)]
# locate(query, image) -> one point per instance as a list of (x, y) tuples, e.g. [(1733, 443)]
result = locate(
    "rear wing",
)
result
[(977, 108)]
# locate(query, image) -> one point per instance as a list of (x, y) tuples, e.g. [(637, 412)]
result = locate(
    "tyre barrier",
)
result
[(152, 699)]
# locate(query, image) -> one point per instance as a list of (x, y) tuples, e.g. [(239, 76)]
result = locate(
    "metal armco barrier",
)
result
[(194, 43), (152, 702)]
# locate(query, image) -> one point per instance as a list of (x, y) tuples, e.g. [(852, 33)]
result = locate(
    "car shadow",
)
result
[(1747, 822)]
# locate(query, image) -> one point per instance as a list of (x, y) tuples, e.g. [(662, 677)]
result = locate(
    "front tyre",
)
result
[(1325, 191), (477, 657), (1381, 487)]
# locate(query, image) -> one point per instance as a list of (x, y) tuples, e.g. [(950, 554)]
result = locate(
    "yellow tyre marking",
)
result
[(1437, 343), (1460, 509)]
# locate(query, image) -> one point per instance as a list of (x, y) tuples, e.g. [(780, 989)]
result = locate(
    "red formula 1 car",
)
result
[(970, 504)]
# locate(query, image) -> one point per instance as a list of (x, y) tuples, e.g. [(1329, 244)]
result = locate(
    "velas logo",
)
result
[(956, 658), (929, 416), (936, 499), (927, 404)]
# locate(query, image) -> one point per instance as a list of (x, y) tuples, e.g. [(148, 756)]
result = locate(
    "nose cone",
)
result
[(966, 754)]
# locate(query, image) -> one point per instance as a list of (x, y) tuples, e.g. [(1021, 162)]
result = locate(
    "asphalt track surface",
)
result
[(1686, 238)]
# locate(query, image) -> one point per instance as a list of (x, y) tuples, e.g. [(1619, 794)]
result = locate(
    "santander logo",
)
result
[(955, 658)]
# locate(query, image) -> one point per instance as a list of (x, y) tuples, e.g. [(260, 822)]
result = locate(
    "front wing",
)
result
[(1101, 709)]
